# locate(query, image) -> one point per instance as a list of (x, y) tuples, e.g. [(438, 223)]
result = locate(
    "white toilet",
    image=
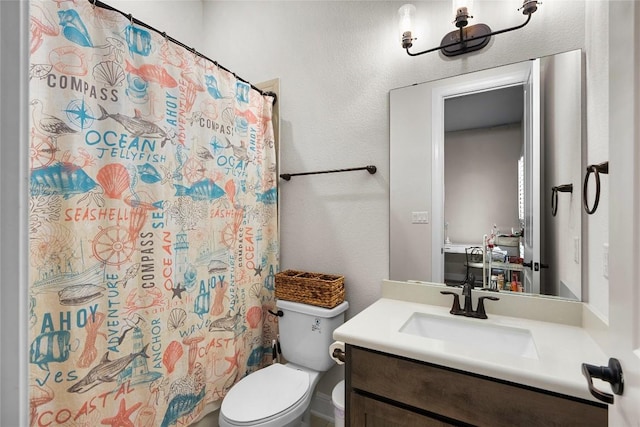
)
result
[(279, 395)]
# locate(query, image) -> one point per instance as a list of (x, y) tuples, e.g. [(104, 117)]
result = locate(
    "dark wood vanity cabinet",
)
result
[(386, 390)]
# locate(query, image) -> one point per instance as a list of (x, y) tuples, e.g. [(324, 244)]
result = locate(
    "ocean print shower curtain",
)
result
[(153, 224)]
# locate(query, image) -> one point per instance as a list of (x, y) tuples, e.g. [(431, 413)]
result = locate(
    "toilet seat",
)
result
[(272, 391)]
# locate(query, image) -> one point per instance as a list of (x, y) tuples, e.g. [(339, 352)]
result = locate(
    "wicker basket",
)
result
[(323, 290)]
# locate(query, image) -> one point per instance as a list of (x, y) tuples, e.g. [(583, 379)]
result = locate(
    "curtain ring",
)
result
[(195, 53), (93, 4), (131, 19), (164, 36)]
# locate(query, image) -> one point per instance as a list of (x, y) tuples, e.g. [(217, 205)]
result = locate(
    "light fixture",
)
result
[(464, 39)]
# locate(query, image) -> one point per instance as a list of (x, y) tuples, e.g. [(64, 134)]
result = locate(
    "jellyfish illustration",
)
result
[(114, 179), (192, 87), (137, 220)]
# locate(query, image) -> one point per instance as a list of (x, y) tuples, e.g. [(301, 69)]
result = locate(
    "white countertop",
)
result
[(561, 348)]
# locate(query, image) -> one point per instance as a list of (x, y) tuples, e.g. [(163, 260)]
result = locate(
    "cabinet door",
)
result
[(367, 412), (457, 395)]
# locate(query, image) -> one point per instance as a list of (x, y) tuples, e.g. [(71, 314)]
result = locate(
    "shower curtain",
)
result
[(153, 224)]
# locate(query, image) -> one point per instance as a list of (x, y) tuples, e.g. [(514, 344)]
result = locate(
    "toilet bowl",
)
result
[(280, 394), (276, 396)]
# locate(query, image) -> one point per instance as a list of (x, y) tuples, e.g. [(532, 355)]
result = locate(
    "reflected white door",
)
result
[(532, 168), (624, 210)]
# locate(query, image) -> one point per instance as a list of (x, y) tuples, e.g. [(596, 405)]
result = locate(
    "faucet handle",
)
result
[(480, 312), (455, 308)]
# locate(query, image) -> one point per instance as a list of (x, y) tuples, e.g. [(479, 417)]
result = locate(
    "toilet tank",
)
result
[(306, 331)]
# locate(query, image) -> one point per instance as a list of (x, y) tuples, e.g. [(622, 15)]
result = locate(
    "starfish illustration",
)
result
[(258, 271), (177, 291), (233, 360), (121, 419)]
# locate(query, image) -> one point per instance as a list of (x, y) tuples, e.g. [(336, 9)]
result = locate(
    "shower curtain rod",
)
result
[(136, 21)]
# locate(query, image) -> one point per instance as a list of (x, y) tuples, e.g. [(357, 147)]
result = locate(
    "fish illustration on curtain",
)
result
[(152, 224)]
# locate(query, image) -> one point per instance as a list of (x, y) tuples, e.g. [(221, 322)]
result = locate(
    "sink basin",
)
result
[(473, 334)]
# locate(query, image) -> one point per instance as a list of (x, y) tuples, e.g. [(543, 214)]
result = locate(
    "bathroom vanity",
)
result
[(411, 393), (411, 363)]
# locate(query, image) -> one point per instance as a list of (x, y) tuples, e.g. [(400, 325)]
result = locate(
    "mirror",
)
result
[(478, 154)]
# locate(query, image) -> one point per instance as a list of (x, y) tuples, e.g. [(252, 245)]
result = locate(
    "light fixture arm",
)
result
[(462, 41)]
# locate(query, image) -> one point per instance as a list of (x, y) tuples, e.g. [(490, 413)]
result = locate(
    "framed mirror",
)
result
[(474, 159)]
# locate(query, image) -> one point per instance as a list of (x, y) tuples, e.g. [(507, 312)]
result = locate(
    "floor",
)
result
[(319, 422), (211, 420)]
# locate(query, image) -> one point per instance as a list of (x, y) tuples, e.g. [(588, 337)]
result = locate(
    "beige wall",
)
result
[(481, 181)]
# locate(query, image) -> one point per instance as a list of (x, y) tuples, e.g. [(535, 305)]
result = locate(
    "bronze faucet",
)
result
[(468, 311)]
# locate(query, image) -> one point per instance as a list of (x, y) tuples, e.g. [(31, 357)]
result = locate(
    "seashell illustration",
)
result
[(212, 87), (109, 72), (114, 179), (171, 355), (149, 174), (73, 28), (230, 188), (228, 115), (254, 316), (176, 319)]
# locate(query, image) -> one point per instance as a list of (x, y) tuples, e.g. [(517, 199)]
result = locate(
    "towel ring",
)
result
[(596, 170), (566, 188)]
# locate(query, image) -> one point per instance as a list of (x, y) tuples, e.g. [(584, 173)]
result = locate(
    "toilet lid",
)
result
[(265, 393)]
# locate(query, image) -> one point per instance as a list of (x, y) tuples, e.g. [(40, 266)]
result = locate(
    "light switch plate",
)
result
[(421, 217)]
